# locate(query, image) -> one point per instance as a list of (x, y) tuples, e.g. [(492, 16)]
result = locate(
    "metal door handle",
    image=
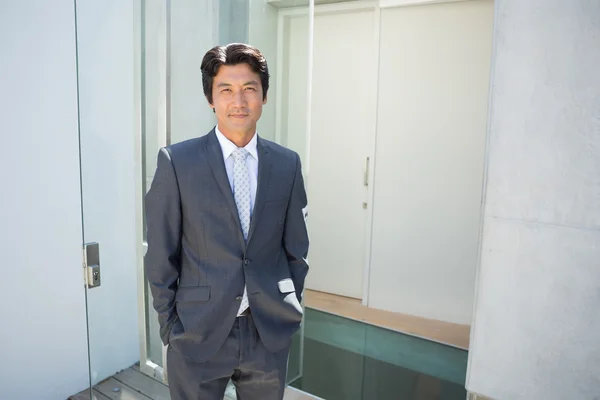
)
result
[(366, 178), (91, 264)]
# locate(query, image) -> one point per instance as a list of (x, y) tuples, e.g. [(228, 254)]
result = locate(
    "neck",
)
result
[(239, 138)]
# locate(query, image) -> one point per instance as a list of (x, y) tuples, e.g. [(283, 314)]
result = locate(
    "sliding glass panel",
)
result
[(106, 65), (281, 30)]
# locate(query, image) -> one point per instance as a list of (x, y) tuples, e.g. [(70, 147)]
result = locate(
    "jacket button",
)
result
[(238, 298), (246, 262)]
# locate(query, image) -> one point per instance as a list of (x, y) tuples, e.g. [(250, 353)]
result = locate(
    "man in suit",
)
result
[(227, 242)]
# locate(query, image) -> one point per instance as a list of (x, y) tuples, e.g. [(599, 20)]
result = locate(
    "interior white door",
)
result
[(342, 130), (431, 128)]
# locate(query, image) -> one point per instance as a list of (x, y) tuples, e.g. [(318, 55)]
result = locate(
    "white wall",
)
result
[(105, 36), (536, 327), (431, 126), (42, 302)]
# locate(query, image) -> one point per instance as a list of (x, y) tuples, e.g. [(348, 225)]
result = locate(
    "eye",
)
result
[(251, 88), (226, 90)]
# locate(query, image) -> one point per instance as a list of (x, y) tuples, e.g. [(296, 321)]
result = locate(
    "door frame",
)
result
[(147, 366)]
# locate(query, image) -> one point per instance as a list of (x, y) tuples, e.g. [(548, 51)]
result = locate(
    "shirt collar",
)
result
[(227, 146)]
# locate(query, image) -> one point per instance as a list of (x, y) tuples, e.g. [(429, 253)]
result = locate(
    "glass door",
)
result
[(139, 89), (108, 124)]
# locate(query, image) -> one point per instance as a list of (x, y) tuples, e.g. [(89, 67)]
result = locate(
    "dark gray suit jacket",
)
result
[(197, 260)]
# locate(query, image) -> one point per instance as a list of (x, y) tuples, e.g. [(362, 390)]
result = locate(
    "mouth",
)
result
[(238, 116)]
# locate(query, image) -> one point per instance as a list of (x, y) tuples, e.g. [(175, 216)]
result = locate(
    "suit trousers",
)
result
[(257, 373)]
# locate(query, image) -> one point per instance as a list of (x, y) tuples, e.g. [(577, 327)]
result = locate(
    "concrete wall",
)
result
[(536, 327), (42, 300)]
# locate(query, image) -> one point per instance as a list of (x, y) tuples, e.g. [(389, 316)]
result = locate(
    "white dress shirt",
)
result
[(227, 147)]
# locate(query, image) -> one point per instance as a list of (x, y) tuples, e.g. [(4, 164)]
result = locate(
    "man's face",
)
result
[(237, 99)]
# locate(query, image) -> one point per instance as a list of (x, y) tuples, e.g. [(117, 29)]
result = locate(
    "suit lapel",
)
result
[(265, 165), (217, 164)]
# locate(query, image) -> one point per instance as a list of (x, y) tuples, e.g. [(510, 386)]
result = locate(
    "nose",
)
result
[(238, 98)]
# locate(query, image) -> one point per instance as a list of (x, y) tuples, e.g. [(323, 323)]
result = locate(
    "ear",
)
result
[(265, 100)]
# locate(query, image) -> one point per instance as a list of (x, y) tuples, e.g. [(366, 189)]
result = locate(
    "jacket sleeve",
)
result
[(295, 235), (162, 262)]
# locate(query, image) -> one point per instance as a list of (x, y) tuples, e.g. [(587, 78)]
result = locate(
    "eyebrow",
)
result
[(245, 84)]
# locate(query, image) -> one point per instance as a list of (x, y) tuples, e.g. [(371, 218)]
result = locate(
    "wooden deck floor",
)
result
[(131, 384), (438, 331)]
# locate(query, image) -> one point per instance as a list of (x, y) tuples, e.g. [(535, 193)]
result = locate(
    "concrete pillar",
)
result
[(536, 328)]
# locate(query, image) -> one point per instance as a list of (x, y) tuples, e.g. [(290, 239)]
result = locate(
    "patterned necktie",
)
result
[(241, 188), (241, 194)]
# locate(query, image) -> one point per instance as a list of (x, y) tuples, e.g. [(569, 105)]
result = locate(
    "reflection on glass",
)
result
[(350, 360)]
